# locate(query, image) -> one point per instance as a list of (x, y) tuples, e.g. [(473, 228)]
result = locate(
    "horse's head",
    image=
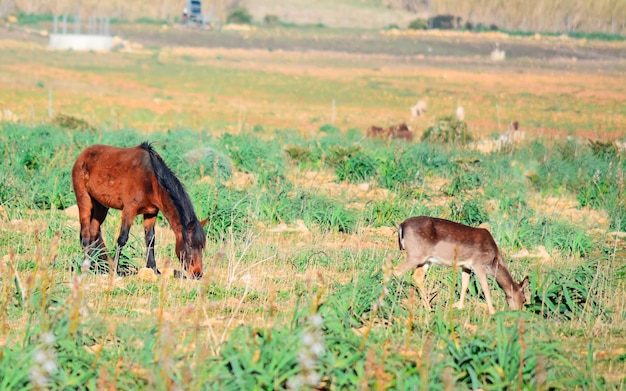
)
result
[(189, 250)]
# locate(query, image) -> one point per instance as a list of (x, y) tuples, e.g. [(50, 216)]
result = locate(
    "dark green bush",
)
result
[(239, 15), (271, 20), (418, 24)]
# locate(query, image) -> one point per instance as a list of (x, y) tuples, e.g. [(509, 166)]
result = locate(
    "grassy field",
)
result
[(298, 291)]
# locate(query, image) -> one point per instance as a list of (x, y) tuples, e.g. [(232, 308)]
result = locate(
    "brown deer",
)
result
[(429, 240), (376, 131), (400, 131)]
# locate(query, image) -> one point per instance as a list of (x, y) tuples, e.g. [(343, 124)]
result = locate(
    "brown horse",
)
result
[(136, 181)]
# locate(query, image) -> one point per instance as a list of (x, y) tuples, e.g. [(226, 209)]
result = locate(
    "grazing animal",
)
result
[(376, 131), (136, 181), (400, 131), (419, 109), (429, 240), (460, 113), (394, 131)]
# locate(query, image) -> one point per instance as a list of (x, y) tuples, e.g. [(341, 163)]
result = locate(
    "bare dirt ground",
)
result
[(418, 45)]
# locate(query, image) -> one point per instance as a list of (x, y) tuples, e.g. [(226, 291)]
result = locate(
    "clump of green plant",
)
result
[(418, 24), (328, 214), (228, 209), (253, 358), (570, 240), (510, 358), (239, 15), (352, 303), (339, 153), (298, 152), (446, 130), (400, 168), (469, 212), (357, 168), (462, 182), (385, 214), (271, 20), (568, 293), (330, 129), (605, 149), (261, 157), (71, 122)]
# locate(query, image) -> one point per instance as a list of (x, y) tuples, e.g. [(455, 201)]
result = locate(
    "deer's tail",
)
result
[(401, 236)]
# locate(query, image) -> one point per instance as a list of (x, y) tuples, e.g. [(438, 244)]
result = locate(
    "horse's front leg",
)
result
[(148, 228), (127, 222)]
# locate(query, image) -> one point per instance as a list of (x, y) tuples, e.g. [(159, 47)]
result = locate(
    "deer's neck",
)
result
[(504, 278)]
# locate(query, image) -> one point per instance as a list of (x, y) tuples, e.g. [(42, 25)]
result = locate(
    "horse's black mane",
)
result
[(179, 196)]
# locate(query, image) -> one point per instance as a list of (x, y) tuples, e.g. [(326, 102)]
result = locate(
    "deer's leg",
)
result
[(411, 262), (148, 228), (465, 278), (482, 278), (419, 275), (127, 221)]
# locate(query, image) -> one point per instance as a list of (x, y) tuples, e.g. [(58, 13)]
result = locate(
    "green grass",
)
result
[(509, 350)]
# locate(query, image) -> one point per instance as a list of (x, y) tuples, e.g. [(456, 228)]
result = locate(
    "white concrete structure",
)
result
[(80, 42)]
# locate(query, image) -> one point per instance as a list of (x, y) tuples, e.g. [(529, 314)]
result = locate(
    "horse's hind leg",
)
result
[(148, 227), (98, 214), (91, 215)]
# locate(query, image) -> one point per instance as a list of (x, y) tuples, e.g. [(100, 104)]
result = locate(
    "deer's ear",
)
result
[(203, 222), (524, 283)]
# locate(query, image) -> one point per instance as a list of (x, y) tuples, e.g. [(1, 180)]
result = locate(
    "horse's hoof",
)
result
[(179, 274)]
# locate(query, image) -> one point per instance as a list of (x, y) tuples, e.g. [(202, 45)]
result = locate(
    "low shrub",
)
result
[(271, 20), (239, 15), (448, 130), (71, 122), (418, 24)]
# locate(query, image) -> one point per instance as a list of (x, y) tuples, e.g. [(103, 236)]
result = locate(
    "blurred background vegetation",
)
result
[(555, 16)]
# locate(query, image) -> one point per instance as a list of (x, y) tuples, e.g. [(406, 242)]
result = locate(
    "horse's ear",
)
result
[(203, 222)]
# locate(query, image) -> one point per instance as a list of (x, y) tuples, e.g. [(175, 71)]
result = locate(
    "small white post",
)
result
[(50, 102)]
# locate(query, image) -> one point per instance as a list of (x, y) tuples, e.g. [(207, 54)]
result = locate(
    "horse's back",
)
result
[(111, 175)]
